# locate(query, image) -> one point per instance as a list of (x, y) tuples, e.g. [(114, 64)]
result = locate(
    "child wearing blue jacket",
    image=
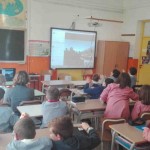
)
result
[(93, 87)]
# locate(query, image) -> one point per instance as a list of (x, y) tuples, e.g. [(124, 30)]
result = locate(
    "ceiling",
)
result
[(105, 5)]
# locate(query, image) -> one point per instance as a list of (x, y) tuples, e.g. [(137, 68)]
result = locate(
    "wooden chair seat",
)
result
[(145, 115)]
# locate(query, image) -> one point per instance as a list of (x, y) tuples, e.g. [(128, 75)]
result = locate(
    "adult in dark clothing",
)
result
[(20, 92), (61, 132)]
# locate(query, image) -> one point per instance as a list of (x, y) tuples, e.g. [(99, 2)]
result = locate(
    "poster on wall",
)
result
[(146, 59), (13, 13), (39, 48)]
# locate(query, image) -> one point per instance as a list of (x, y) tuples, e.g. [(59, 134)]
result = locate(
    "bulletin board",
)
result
[(39, 48)]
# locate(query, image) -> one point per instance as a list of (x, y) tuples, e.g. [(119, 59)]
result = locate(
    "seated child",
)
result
[(53, 107), (7, 117), (117, 96), (93, 87), (20, 92), (107, 81), (24, 134), (61, 132), (132, 73), (115, 74), (143, 104)]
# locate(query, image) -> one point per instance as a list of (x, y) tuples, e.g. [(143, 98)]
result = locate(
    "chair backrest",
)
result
[(33, 102), (5, 105), (65, 92), (145, 115), (106, 131)]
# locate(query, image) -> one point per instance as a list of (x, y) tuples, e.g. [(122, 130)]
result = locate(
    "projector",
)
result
[(94, 24)]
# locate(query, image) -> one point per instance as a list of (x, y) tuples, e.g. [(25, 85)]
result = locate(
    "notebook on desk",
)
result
[(141, 127), (78, 99)]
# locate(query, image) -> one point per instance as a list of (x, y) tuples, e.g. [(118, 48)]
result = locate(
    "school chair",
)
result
[(64, 94), (106, 135), (145, 115), (36, 120)]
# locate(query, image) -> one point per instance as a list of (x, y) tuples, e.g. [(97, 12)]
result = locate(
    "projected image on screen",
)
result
[(72, 48)]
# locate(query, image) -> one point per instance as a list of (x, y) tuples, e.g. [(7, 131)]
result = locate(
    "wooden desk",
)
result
[(77, 92), (128, 132), (79, 83), (32, 110), (40, 94), (90, 105), (89, 109), (59, 83), (6, 138), (62, 83)]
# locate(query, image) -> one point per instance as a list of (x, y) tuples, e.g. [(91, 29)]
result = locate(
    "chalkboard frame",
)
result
[(12, 45)]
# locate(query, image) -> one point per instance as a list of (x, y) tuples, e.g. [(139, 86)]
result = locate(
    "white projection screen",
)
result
[(72, 49)]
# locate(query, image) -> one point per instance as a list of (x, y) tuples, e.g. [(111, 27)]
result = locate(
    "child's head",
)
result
[(24, 129), (95, 77), (61, 128), (21, 78), (108, 81), (2, 92), (124, 80), (2, 80), (52, 93), (116, 73), (133, 71), (144, 94)]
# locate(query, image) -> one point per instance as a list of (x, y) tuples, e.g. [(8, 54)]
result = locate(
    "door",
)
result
[(144, 67)]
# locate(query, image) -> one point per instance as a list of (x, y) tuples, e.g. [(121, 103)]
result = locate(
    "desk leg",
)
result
[(132, 146), (43, 88), (79, 117), (113, 140)]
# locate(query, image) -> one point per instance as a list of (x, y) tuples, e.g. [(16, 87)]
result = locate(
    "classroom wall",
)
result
[(41, 16), (40, 20), (135, 13)]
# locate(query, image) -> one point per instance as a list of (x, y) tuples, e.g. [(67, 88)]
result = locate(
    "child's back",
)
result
[(117, 96), (144, 103), (7, 117), (38, 144), (53, 107), (24, 134)]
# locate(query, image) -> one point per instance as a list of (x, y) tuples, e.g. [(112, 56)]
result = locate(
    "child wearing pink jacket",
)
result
[(117, 96), (143, 104), (146, 134)]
